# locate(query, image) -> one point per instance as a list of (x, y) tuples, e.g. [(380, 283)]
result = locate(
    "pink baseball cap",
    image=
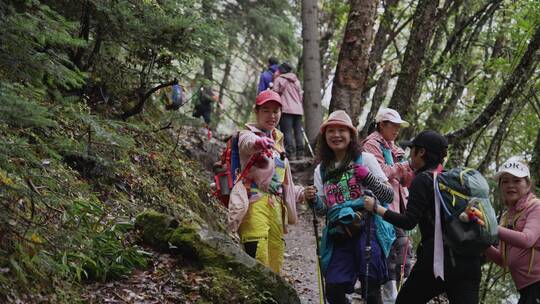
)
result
[(390, 115), (266, 96), (340, 118)]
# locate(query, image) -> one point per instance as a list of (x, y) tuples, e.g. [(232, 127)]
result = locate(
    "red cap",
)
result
[(266, 96)]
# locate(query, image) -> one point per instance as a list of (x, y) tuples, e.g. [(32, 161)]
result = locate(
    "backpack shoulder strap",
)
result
[(387, 154), (359, 160)]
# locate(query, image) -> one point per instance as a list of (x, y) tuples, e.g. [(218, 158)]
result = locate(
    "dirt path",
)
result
[(300, 265)]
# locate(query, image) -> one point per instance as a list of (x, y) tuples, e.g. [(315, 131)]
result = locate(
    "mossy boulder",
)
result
[(216, 253)]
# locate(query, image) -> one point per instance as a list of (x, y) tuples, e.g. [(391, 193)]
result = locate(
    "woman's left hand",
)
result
[(369, 203)]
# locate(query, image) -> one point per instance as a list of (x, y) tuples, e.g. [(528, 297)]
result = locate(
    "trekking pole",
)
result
[(368, 249), (404, 261), (320, 279), (307, 141)]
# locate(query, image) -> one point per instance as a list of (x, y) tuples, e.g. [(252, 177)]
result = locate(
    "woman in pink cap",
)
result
[(519, 233), (381, 144), (343, 180), (263, 202)]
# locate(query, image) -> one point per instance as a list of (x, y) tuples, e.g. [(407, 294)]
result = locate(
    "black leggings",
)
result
[(421, 286), (335, 293), (530, 294)]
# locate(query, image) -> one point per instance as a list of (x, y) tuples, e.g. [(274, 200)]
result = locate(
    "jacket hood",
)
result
[(290, 77), (276, 134)]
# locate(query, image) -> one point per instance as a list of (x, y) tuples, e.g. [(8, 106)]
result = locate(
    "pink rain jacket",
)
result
[(400, 175), (521, 241), (288, 87)]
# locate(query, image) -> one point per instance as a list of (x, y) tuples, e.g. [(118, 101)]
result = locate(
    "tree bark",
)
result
[(378, 98), (520, 75), (312, 69), (143, 97), (535, 162), (419, 40), (498, 138), (380, 42), (352, 67)]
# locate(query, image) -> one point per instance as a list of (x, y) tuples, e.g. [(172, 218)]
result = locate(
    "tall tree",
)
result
[(519, 76), (422, 30), (535, 162), (312, 69), (352, 68)]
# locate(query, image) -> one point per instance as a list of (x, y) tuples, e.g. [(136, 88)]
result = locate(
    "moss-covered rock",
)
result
[(237, 278)]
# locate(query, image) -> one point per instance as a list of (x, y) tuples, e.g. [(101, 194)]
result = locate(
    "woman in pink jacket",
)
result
[(380, 143), (287, 85), (519, 232)]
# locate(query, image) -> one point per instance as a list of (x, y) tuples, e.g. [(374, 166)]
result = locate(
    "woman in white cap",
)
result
[(341, 183), (519, 232), (390, 156)]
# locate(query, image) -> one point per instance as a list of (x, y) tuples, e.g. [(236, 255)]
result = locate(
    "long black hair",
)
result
[(327, 157)]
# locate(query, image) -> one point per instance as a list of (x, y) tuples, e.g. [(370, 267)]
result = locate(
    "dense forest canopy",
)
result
[(82, 82)]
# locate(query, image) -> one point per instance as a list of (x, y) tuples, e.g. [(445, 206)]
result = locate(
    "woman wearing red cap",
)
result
[(342, 181), (519, 232), (390, 156), (267, 195)]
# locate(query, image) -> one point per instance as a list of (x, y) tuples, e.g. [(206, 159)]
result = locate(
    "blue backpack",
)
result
[(177, 96)]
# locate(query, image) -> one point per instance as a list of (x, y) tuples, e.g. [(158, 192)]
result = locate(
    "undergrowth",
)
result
[(70, 188)]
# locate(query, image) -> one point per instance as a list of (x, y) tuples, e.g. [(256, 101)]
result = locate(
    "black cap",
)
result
[(431, 141), (285, 68), (273, 61)]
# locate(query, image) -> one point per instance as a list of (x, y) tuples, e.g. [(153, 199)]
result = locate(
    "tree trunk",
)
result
[(142, 98), (419, 40), (498, 138), (312, 69), (378, 97), (352, 67), (535, 162), (520, 75), (380, 43)]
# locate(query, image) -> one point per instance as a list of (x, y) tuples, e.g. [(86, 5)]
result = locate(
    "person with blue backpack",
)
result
[(354, 245), (380, 143), (267, 76), (177, 96), (438, 267)]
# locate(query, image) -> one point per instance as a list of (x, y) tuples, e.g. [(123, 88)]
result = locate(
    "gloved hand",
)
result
[(360, 171), (264, 143)]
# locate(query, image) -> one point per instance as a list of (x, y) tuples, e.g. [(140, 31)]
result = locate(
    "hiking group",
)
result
[(371, 195)]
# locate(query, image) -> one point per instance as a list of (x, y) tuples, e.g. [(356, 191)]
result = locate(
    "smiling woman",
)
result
[(519, 232), (260, 217), (354, 245)]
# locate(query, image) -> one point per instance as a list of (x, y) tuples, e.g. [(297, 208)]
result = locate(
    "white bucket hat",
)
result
[(514, 167)]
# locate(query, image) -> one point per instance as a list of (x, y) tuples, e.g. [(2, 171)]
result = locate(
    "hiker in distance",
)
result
[(287, 85), (461, 273), (267, 76), (519, 231), (204, 100), (264, 202), (342, 181), (390, 156)]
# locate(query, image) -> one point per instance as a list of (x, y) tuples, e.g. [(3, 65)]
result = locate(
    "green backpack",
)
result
[(469, 223)]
